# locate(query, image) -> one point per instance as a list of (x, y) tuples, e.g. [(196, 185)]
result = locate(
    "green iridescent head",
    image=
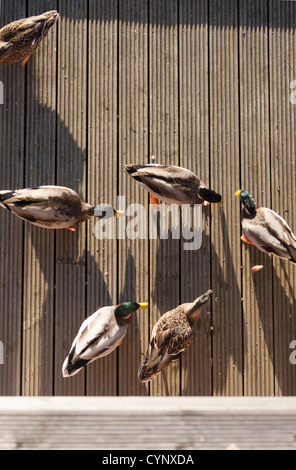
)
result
[(125, 308), (247, 200)]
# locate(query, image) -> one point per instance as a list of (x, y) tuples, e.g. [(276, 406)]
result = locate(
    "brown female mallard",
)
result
[(52, 207), (266, 229), (19, 39), (172, 184), (171, 336)]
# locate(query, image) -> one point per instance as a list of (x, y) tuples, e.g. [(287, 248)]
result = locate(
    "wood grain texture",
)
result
[(101, 254), (207, 85), (164, 146), (194, 154), (39, 245), (176, 424), (255, 160), (12, 145), (225, 172), (133, 254), (282, 47), (72, 172)]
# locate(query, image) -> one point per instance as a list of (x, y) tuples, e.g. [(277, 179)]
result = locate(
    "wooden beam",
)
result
[(176, 424)]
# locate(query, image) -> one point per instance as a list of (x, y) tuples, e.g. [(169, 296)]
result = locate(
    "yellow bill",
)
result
[(143, 305), (118, 213)]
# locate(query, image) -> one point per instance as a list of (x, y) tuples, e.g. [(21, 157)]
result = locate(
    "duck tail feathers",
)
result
[(4, 195), (132, 170), (155, 363), (70, 369), (5, 48), (209, 195), (292, 252)]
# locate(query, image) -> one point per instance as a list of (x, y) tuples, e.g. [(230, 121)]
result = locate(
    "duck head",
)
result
[(247, 201), (126, 308), (105, 212), (193, 310)]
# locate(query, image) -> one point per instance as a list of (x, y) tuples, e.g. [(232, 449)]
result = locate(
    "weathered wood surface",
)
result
[(180, 425), (201, 84)]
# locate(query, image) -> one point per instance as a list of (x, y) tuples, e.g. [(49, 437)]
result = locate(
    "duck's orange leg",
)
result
[(72, 229), (154, 201), (26, 60), (245, 239)]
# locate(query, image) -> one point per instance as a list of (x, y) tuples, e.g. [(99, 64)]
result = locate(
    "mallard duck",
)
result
[(99, 335), (52, 207), (172, 184), (265, 229), (19, 39), (170, 337)]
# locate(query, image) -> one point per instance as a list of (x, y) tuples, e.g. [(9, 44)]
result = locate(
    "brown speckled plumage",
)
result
[(172, 184), (171, 336), (19, 39), (265, 229), (51, 207)]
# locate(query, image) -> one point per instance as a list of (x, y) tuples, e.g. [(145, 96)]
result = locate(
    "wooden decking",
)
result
[(179, 425), (207, 85)]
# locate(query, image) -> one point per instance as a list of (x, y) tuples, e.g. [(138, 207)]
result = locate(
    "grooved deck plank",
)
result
[(101, 254), (12, 138), (282, 46), (164, 146), (38, 304), (225, 175), (72, 172), (133, 254), (255, 160), (194, 155), (206, 85)]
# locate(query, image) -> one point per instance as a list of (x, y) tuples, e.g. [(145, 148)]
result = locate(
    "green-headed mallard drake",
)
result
[(172, 184), (52, 207), (170, 337), (265, 229), (19, 39), (99, 335)]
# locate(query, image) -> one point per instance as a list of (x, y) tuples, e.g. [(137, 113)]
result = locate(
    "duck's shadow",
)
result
[(68, 282), (276, 300)]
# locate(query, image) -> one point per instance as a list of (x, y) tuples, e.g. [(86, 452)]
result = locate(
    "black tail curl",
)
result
[(210, 195)]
